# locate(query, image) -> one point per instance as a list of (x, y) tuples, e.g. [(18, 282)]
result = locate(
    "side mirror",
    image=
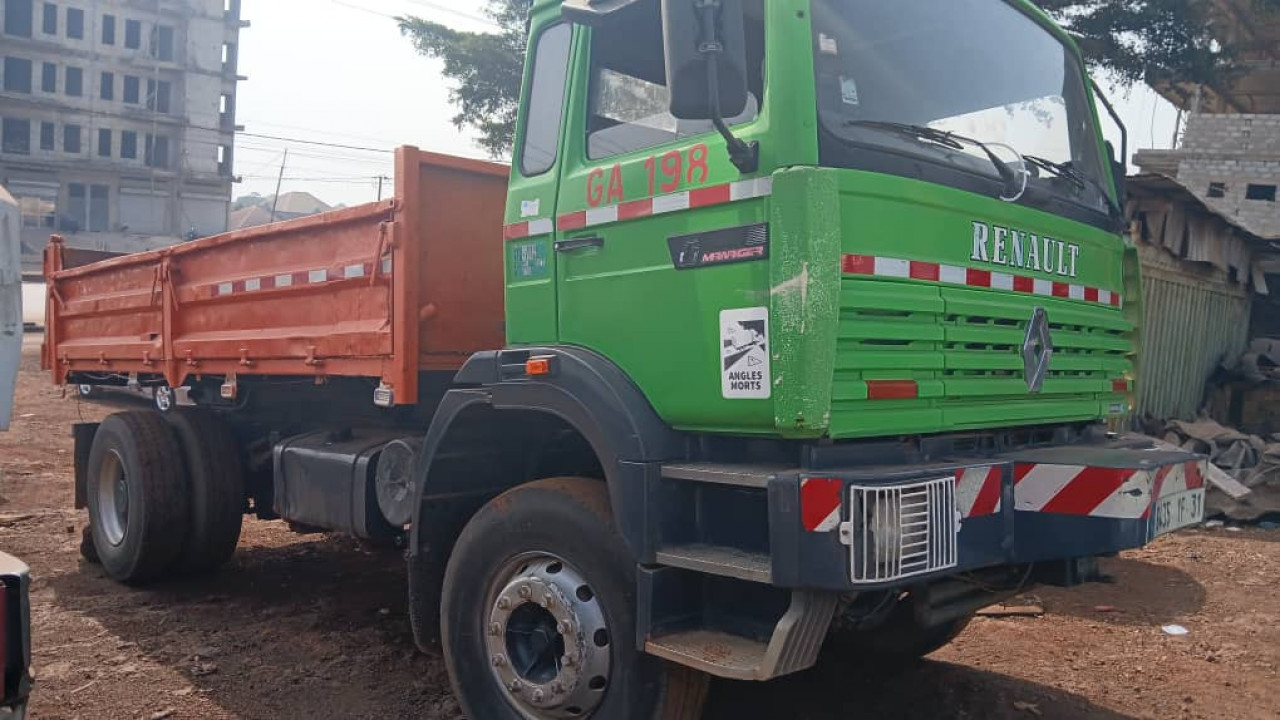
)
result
[(690, 52)]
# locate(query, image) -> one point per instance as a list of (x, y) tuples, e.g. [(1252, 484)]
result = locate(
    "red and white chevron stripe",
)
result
[(972, 277), (978, 491), (978, 494), (820, 502), (1116, 493), (702, 197), (297, 278)]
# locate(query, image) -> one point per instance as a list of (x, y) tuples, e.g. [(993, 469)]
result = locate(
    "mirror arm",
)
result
[(745, 156)]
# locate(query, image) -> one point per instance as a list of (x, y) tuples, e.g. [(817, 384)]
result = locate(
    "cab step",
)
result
[(794, 646), (718, 560)]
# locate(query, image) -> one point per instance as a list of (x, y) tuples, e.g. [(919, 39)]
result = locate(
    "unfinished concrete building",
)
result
[(1229, 153), (118, 118)]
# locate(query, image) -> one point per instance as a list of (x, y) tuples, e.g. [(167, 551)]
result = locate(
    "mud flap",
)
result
[(10, 305), (1087, 501)]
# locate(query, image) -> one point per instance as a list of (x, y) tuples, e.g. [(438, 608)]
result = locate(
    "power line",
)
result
[(316, 143)]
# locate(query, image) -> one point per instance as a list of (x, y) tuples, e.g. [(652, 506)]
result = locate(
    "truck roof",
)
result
[(1025, 5)]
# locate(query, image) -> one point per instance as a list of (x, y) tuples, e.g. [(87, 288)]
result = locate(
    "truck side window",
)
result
[(546, 100), (629, 97)]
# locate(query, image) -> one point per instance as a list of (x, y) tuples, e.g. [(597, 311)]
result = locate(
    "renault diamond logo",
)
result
[(1037, 350)]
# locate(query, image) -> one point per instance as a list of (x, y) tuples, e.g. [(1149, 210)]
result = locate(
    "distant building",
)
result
[(118, 118), (255, 211)]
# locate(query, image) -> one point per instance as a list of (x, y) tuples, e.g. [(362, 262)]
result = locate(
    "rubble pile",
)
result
[(1251, 460)]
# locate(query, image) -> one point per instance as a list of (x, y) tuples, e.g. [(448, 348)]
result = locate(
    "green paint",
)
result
[(830, 333)]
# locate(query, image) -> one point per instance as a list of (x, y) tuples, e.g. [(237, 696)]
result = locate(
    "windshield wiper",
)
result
[(1068, 172), (950, 140)]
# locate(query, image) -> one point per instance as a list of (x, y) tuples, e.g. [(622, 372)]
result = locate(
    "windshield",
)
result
[(977, 68)]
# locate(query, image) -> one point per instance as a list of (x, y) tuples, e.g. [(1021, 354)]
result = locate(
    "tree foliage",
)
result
[(1176, 41), (486, 68)]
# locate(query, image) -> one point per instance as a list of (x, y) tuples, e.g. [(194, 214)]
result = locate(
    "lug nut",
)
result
[(557, 688), (548, 600), (515, 686), (526, 592), (538, 696), (495, 629), (504, 604), (499, 661), (570, 661)]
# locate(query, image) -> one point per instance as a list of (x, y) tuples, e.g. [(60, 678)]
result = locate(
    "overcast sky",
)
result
[(339, 72)]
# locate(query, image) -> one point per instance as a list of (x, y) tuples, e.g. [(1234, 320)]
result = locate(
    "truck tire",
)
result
[(137, 492), (538, 615), (215, 476), (898, 643)]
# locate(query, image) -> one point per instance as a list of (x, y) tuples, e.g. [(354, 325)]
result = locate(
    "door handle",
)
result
[(564, 246)]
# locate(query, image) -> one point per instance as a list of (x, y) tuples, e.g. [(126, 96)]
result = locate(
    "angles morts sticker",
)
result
[(744, 354), (720, 247)]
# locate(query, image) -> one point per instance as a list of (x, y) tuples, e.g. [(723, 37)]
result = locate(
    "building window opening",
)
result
[(1217, 190), (132, 34), (15, 136), (50, 20), (1265, 193), (18, 18), (75, 23)]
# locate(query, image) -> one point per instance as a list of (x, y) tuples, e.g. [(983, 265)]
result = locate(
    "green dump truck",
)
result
[(819, 324)]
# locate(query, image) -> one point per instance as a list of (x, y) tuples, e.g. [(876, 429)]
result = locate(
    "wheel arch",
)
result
[(497, 406)]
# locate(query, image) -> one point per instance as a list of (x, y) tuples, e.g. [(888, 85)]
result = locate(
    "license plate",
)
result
[(1174, 512)]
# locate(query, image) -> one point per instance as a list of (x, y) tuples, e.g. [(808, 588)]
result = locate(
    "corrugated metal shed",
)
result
[(1200, 276)]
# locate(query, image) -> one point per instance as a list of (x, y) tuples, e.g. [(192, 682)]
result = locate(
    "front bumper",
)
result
[(15, 638), (879, 527)]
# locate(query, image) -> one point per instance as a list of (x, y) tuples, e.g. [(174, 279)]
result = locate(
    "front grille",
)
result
[(963, 349), (901, 531)]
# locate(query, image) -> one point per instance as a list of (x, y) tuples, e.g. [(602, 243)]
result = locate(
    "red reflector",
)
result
[(892, 390), (859, 265), (1120, 386)]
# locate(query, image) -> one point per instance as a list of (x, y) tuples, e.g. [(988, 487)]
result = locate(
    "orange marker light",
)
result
[(535, 367)]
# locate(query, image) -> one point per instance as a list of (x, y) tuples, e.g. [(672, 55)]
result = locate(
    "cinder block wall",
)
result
[(1235, 152)]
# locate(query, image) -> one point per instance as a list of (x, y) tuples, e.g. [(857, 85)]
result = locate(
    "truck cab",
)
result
[(896, 271)]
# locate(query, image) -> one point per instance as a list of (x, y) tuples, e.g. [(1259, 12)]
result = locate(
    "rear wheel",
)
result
[(137, 496), (538, 616), (215, 474)]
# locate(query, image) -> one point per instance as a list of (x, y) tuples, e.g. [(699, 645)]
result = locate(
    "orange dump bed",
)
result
[(382, 291)]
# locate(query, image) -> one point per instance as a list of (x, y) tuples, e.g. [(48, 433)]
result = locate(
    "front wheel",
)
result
[(538, 616)]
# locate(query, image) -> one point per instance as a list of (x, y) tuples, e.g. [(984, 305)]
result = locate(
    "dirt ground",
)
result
[(316, 627)]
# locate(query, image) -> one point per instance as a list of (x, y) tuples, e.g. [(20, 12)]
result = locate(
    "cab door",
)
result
[(531, 200), (658, 234), (10, 305)]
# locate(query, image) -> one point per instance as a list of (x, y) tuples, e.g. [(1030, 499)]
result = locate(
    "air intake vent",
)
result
[(901, 531)]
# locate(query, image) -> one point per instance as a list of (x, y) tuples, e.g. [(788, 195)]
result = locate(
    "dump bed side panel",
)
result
[(378, 291), (455, 207)]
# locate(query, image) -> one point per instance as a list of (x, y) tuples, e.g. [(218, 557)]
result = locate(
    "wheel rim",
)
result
[(113, 499), (163, 398), (547, 638)]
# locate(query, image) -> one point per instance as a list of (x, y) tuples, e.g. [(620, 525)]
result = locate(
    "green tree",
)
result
[(486, 68), (1172, 41)]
